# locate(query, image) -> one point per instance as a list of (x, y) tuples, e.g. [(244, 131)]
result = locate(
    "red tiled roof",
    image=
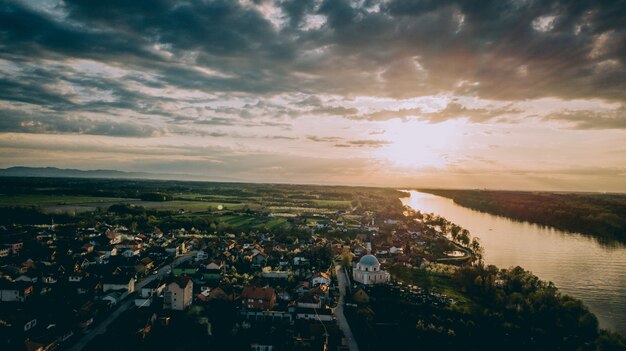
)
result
[(252, 292)]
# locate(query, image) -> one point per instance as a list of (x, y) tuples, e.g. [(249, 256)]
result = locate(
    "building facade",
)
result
[(368, 272)]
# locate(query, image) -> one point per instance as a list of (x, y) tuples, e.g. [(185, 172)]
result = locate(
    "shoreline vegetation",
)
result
[(602, 216)]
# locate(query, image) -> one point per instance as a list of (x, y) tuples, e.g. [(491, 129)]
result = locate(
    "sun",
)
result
[(418, 144)]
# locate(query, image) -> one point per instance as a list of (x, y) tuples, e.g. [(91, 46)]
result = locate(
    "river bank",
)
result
[(577, 264)]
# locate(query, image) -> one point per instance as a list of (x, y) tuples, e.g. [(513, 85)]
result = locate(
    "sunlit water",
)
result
[(578, 265)]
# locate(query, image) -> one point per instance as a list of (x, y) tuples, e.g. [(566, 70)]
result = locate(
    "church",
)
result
[(368, 271)]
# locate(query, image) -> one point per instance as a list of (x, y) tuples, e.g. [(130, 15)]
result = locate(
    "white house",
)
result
[(119, 282), (299, 260), (394, 250), (148, 293), (320, 278)]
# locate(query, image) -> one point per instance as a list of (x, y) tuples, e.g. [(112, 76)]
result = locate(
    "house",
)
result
[(309, 301), (358, 250), (283, 294), (89, 285), (87, 248), (4, 251), (259, 259), (395, 250), (15, 291), (256, 249), (75, 277), (303, 287), (360, 296), (215, 265), (149, 292), (131, 252), (119, 282), (253, 297), (144, 265), (321, 291), (113, 298), (299, 260), (268, 273), (29, 276), (176, 250), (108, 251), (49, 278), (320, 278), (201, 256), (323, 314), (178, 294), (114, 237), (220, 293), (14, 246)]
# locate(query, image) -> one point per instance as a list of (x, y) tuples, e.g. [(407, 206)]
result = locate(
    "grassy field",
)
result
[(439, 282), (193, 203), (46, 200)]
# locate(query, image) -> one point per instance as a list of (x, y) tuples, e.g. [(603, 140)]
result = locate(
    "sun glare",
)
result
[(418, 144)]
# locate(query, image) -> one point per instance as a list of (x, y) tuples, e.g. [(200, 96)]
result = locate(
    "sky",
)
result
[(502, 94)]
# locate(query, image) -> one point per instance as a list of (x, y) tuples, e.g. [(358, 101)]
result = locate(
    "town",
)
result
[(111, 286), (102, 264)]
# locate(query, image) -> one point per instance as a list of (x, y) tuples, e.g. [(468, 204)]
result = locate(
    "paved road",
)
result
[(341, 319), (126, 304)]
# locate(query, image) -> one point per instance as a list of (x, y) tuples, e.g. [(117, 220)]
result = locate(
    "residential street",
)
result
[(341, 319), (126, 303)]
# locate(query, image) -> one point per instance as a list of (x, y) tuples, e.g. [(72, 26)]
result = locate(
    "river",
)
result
[(578, 265)]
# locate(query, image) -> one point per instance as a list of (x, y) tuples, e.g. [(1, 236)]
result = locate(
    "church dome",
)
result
[(369, 261)]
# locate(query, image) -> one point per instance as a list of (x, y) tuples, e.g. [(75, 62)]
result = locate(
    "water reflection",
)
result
[(577, 264)]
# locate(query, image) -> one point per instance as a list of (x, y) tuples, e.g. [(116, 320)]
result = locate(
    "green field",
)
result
[(46, 200), (438, 282)]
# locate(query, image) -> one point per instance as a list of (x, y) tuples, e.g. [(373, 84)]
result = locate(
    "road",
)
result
[(126, 303), (341, 319)]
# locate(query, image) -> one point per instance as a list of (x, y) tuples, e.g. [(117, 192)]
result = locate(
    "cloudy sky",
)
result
[(499, 94)]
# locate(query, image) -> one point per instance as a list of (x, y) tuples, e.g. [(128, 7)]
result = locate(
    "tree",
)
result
[(477, 250), (346, 260), (464, 237)]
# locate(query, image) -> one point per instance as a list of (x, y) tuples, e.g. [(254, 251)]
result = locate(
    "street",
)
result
[(341, 319), (127, 303)]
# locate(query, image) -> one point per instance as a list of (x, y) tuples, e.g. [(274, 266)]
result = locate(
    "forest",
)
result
[(600, 215)]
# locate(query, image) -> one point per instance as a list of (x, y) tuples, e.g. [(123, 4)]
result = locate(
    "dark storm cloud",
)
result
[(22, 123), (502, 50)]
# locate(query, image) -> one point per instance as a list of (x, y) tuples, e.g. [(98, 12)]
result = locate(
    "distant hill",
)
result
[(53, 172)]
